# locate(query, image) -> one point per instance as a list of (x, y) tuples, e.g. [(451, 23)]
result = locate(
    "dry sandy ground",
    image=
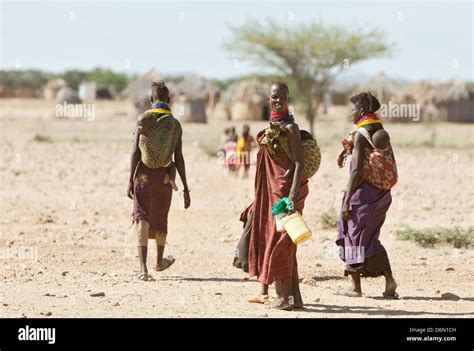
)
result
[(65, 200)]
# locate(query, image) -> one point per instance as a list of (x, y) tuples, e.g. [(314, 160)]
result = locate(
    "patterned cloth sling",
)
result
[(312, 154), (378, 165), (158, 145)]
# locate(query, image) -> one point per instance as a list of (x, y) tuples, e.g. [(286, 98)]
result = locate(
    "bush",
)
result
[(458, 237), (329, 219), (42, 138)]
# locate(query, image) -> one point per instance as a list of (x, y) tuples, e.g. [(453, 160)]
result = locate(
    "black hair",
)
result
[(159, 91), (281, 84), (368, 102)]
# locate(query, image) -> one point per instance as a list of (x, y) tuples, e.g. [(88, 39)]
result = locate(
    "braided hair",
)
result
[(159, 91), (366, 101), (281, 85)]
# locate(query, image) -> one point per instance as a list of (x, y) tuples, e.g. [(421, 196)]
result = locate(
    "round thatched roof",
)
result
[(195, 87), (436, 92), (141, 87), (382, 86), (68, 95)]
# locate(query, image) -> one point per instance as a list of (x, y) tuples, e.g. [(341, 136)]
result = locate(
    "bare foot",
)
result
[(145, 276), (390, 287), (280, 304), (350, 292), (165, 263)]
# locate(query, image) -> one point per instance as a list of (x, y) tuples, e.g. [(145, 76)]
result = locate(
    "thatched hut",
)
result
[(26, 93), (382, 86), (5, 92), (92, 91), (338, 95), (106, 93), (52, 87), (191, 99), (250, 102), (88, 90), (245, 100), (451, 101), (67, 95), (138, 92), (223, 107)]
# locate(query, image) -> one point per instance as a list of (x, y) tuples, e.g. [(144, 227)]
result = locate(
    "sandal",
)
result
[(145, 276), (271, 299), (166, 263), (278, 304), (348, 293), (395, 296)]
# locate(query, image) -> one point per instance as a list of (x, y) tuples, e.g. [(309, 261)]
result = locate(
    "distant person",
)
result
[(367, 198), (224, 137), (244, 150), (233, 135), (230, 149), (158, 138)]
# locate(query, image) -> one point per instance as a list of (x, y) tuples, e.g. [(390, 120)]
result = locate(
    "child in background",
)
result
[(244, 148)]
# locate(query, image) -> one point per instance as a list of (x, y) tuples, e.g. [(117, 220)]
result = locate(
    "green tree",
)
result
[(74, 77), (24, 79), (311, 55), (107, 77)]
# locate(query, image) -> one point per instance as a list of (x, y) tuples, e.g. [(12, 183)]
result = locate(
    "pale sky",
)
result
[(431, 39)]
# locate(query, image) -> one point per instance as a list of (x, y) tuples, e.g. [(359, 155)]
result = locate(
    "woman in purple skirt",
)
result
[(364, 208)]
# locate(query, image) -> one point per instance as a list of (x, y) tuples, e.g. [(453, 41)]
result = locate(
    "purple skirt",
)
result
[(358, 238)]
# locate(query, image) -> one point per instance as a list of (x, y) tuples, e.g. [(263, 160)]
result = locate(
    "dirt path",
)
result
[(65, 200)]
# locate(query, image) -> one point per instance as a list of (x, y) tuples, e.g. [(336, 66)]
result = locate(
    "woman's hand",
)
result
[(130, 189), (289, 172), (292, 197), (341, 158), (187, 199), (346, 214)]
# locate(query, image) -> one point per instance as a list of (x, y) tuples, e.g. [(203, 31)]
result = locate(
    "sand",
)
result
[(64, 201)]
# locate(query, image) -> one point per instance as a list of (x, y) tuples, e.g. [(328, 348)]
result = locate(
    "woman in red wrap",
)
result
[(272, 254)]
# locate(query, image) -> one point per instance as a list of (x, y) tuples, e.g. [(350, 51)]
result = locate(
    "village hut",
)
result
[(52, 87), (87, 90), (222, 110), (382, 86), (106, 93), (249, 102), (5, 92), (450, 101), (67, 95), (191, 99), (26, 93), (338, 95), (138, 92)]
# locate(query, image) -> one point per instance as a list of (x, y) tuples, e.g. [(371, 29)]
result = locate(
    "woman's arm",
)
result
[(356, 173), (134, 159), (294, 140), (181, 167)]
